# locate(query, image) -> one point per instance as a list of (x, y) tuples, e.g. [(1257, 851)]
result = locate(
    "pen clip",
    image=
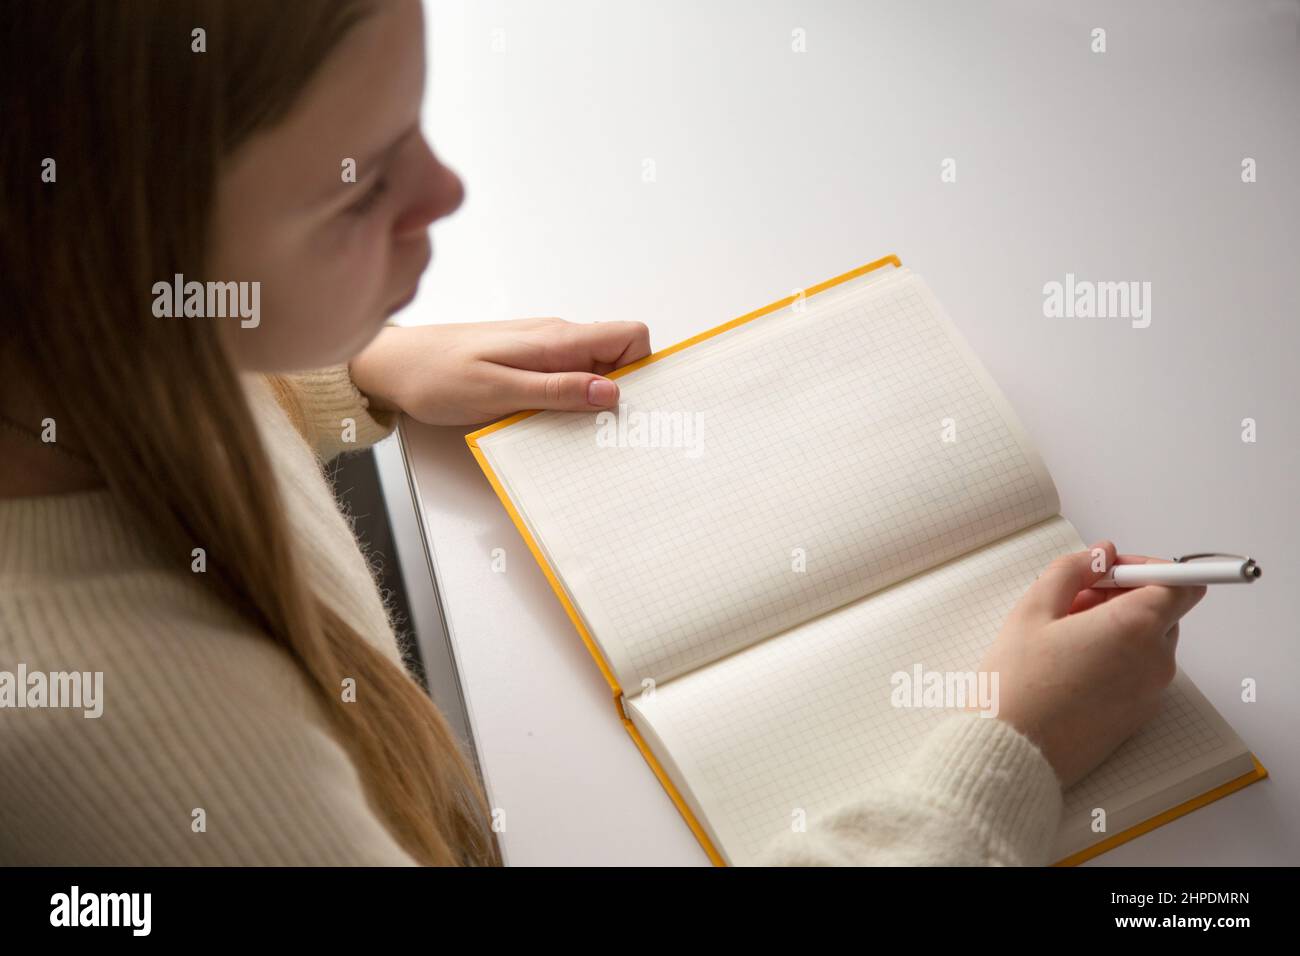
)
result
[(1248, 570)]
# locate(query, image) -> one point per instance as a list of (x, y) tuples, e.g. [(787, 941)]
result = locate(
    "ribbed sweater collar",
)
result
[(86, 532), (81, 532)]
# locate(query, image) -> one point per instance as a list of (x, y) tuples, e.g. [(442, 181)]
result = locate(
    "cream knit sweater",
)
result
[(213, 748)]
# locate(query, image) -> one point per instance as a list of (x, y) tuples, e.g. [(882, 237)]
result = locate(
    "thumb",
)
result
[(566, 391), (1051, 596)]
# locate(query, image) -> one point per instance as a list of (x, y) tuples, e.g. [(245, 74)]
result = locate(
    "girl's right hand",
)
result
[(1081, 669)]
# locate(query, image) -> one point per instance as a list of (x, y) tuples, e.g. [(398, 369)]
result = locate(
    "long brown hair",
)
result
[(139, 125)]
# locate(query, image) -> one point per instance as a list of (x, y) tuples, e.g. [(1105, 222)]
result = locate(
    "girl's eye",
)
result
[(367, 202)]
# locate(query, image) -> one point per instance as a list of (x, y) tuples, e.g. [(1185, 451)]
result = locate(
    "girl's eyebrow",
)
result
[(383, 157), (374, 163)]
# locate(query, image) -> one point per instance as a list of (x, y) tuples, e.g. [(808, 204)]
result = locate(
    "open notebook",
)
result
[(788, 510)]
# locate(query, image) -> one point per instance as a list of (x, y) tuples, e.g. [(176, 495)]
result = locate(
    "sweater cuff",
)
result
[(329, 399), (997, 779)]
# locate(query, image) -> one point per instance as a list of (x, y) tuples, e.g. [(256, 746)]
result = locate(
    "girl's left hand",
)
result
[(474, 372)]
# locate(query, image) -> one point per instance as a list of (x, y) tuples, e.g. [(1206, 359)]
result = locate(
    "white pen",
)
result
[(1186, 571)]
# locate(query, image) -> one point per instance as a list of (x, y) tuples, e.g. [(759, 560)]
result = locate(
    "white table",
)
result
[(774, 169)]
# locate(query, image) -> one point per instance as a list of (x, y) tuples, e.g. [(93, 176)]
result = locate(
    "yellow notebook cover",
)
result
[(472, 440)]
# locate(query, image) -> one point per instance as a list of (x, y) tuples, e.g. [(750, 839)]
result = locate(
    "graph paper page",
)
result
[(805, 721), (834, 447)]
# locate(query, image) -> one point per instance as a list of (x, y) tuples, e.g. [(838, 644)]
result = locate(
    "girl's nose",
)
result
[(440, 195)]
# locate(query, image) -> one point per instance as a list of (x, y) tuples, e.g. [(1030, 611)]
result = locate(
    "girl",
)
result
[(165, 529)]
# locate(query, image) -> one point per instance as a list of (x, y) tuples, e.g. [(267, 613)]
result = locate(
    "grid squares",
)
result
[(685, 561), (804, 720), (677, 561)]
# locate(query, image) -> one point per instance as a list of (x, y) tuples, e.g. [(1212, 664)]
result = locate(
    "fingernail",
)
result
[(601, 391)]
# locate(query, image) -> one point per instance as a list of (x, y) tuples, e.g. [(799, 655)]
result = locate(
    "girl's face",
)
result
[(334, 258)]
